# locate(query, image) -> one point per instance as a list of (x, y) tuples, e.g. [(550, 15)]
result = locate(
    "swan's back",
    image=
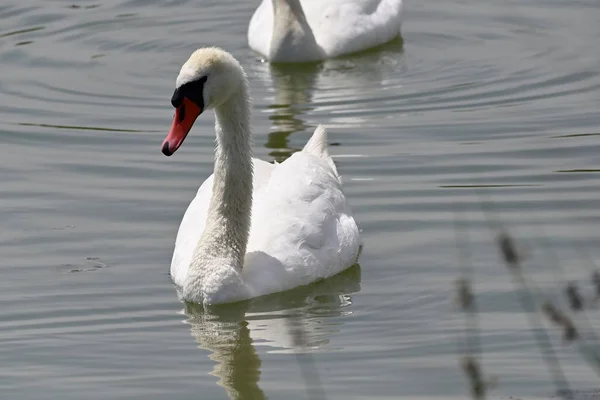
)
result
[(302, 226), (339, 26), (342, 27)]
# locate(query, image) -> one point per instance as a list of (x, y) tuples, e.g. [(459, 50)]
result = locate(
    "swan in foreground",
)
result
[(314, 30), (254, 228)]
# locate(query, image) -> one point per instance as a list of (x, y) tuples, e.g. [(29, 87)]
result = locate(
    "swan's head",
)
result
[(208, 79)]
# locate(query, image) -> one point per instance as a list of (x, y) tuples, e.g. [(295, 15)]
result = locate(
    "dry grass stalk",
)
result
[(464, 296), (466, 301), (596, 282), (570, 333), (575, 299), (513, 261), (476, 382)]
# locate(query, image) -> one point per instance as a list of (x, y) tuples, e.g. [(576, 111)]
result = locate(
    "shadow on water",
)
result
[(295, 86), (297, 321)]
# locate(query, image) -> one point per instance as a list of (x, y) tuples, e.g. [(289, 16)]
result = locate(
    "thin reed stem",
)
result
[(471, 362), (511, 258), (590, 352)]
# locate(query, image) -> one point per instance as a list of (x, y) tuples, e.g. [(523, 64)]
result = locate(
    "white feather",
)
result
[(312, 30)]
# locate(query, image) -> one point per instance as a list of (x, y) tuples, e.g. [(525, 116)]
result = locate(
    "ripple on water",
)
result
[(479, 97)]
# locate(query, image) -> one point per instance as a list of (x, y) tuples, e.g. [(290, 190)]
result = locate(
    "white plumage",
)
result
[(313, 30), (301, 228)]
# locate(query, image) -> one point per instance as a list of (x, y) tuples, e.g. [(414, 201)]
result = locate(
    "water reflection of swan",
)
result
[(298, 88), (297, 320), (293, 92)]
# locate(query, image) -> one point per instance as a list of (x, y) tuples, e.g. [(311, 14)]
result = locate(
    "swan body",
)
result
[(314, 30), (253, 228)]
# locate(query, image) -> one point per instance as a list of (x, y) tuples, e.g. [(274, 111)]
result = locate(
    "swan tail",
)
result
[(317, 146)]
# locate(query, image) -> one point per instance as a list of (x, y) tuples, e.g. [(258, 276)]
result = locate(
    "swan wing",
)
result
[(302, 227)]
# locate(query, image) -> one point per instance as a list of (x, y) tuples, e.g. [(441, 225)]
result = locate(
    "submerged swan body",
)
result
[(314, 30), (254, 228)]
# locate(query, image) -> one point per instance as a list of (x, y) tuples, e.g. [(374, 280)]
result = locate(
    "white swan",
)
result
[(314, 30), (253, 228)]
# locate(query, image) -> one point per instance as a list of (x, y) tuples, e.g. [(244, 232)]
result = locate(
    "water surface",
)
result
[(503, 97)]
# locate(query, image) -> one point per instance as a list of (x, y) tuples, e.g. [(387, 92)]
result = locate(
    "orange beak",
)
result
[(185, 116)]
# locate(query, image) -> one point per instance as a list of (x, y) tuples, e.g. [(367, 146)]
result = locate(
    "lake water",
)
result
[(503, 95)]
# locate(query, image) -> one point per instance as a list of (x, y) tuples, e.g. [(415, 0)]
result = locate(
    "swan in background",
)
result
[(253, 228), (314, 30)]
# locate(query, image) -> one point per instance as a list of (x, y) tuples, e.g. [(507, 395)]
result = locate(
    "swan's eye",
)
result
[(193, 90), (177, 98)]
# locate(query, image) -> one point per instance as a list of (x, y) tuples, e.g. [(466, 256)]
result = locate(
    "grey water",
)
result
[(480, 99)]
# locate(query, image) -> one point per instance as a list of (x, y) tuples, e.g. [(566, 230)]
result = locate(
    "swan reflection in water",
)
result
[(300, 88), (301, 320)]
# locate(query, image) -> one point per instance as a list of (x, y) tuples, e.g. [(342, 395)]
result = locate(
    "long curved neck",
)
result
[(225, 235), (292, 36)]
